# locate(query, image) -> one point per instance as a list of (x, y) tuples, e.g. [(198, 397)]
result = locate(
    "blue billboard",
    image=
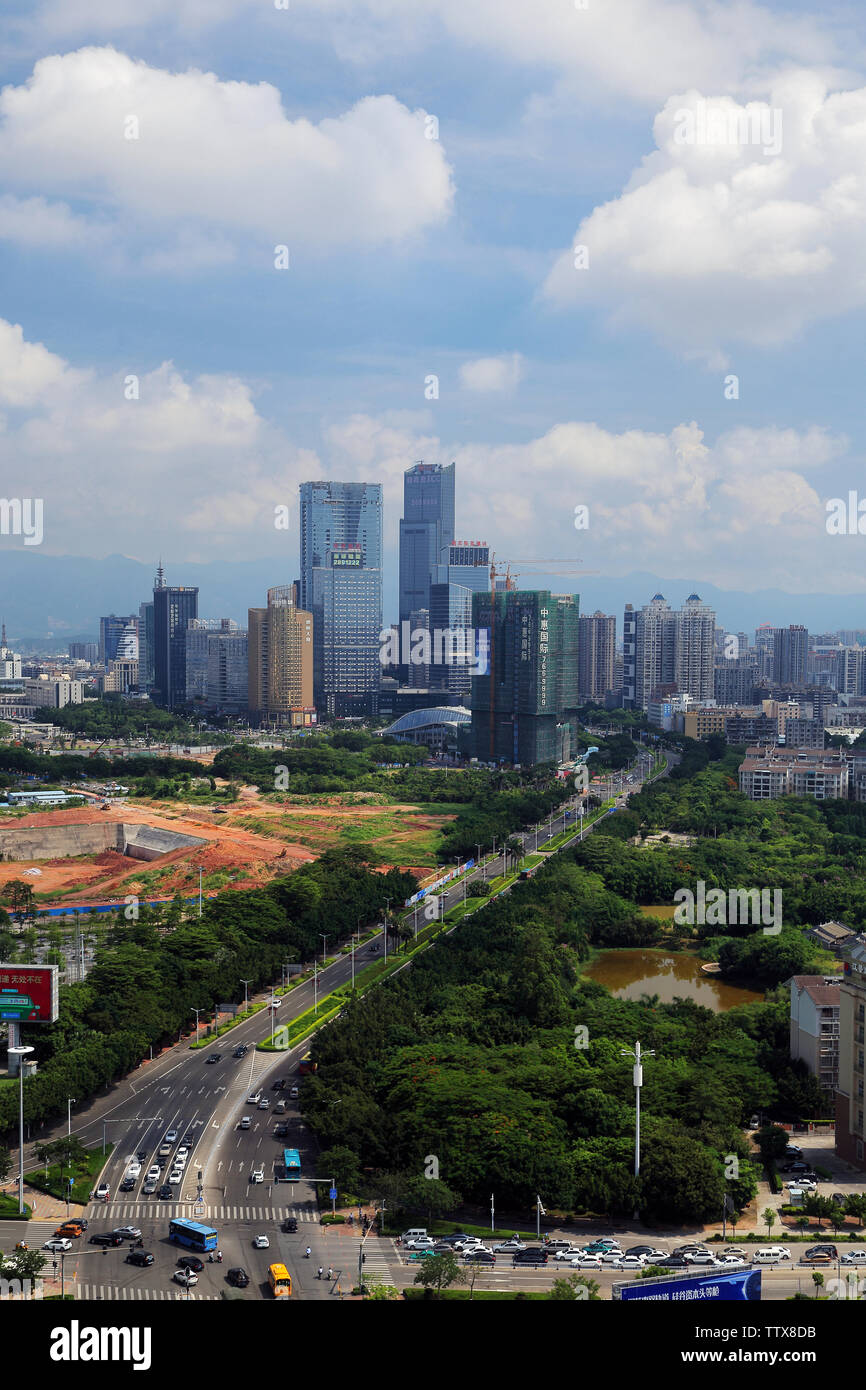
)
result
[(735, 1285)]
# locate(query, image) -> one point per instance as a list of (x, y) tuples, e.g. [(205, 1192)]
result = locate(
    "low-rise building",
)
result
[(766, 773), (815, 1026)]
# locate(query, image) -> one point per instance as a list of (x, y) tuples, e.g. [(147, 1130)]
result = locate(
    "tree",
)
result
[(438, 1272), (575, 1288), (430, 1195), (768, 1216), (343, 1163), (5, 1163), (817, 1280)]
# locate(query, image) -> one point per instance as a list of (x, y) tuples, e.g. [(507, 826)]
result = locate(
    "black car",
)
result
[(238, 1277), (106, 1238), (476, 1257), (673, 1262), (165, 1192), (289, 1225), (281, 1132), (279, 1084), (127, 1185), (822, 1250), (532, 1255), (191, 1262), (239, 1052), (641, 1250), (214, 1057), (142, 1155), (139, 1257)]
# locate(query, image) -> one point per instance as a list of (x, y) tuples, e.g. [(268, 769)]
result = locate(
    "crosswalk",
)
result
[(116, 1213), (110, 1293), (376, 1262)]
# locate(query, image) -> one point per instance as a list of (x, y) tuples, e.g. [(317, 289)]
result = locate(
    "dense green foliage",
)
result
[(150, 974)]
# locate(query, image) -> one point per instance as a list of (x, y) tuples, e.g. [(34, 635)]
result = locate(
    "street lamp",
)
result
[(246, 994), (70, 1101), (196, 1012), (20, 1052), (481, 862), (637, 1055)]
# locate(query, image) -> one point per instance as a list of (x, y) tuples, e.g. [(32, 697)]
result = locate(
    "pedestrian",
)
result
[(319, 1275), (330, 1272)]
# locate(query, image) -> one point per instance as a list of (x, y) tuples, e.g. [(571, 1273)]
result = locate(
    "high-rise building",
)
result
[(341, 585), (694, 649), (145, 645), (524, 705), (734, 681), (649, 650), (118, 638), (280, 659), (596, 655), (173, 608), (453, 649), (850, 1099), (790, 652), (83, 651), (426, 531), (195, 655), (227, 670)]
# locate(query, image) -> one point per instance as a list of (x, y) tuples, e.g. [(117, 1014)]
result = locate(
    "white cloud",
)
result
[(711, 244), (213, 162), (492, 373)]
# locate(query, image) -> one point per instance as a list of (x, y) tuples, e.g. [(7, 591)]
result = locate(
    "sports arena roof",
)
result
[(421, 718)]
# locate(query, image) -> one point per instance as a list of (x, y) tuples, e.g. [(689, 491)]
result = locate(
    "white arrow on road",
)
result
[(219, 1165)]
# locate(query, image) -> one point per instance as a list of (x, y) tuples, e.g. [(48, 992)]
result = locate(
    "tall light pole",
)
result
[(637, 1055), (481, 862), (20, 1052), (70, 1101), (245, 983), (196, 1012), (324, 949)]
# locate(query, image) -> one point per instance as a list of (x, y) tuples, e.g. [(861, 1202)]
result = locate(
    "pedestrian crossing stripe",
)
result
[(109, 1292), (122, 1212)]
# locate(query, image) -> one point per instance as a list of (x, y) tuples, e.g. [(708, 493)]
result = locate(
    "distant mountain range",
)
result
[(50, 600)]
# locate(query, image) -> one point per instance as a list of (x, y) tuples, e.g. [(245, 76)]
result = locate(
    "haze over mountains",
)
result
[(57, 598)]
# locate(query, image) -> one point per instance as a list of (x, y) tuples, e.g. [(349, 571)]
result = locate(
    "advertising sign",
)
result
[(734, 1285), (29, 993)]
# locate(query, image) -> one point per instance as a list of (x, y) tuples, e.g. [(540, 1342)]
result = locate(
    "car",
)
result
[(571, 1253), (691, 1250), (731, 1261), (239, 1052), (183, 1151), (699, 1258), (822, 1259), (191, 1262), (279, 1084), (175, 1177), (127, 1185), (290, 1224), (672, 1262), (264, 1103), (238, 1277), (189, 1140), (802, 1185), (532, 1255), (171, 1137), (179, 1161), (149, 1187), (479, 1257), (71, 1230), (165, 1192), (153, 1172), (142, 1155), (106, 1238), (603, 1243), (507, 1247), (551, 1246), (261, 1243), (456, 1236), (838, 1197), (584, 1261), (793, 1151), (103, 1192), (127, 1232), (294, 1093), (139, 1257), (611, 1259), (244, 1122), (257, 1175), (630, 1262), (214, 1057), (254, 1097), (415, 1255), (770, 1254), (797, 1167), (187, 1277), (648, 1251), (58, 1243), (281, 1132), (164, 1151), (822, 1249), (280, 1107), (733, 1250), (854, 1257), (426, 1243)]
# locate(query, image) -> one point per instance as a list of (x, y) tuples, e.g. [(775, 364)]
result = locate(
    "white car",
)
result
[(701, 1258), (629, 1262), (261, 1243), (134, 1169), (264, 1103), (569, 1254), (586, 1262), (153, 1173), (179, 1161), (257, 1175), (187, 1277), (507, 1247), (731, 1261), (102, 1192), (427, 1243), (853, 1257), (175, 1177), (254, 1098), (128, 1232), (611, 1259), (58, 1243), (171, 1137), (183, 1152)]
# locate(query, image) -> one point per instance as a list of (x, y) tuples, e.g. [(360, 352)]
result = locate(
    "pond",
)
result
[(629, 974)]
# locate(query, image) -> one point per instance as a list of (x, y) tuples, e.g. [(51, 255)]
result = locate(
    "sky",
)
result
[(604, 254)]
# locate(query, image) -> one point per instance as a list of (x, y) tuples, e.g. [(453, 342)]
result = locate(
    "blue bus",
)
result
[(291, 1165), (192, 1234)]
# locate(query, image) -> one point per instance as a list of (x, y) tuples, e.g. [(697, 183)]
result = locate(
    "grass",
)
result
[(9, 1209), (84, 1173)]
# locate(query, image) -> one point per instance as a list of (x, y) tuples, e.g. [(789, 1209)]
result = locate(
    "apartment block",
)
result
[(850, 1098), (766, 773), (815, 1026)]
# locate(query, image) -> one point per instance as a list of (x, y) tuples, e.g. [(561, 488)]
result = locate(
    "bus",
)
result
[(307, 1065), (291, 1165), (280, 1281), (192, 1234)]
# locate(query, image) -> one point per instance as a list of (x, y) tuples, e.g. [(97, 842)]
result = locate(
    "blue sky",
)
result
[(453, 257)]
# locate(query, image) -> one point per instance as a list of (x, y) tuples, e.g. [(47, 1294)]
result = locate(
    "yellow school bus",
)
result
[(280, 1281)]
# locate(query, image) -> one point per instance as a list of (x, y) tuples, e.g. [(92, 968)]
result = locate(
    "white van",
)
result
[(414, 1233), (769, 1254)]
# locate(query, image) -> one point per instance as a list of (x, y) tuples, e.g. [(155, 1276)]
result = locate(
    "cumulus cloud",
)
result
[(187, 166), (492, 373), (717, 238)]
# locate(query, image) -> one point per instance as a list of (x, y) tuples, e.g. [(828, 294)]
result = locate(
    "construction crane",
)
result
[(543, 567)]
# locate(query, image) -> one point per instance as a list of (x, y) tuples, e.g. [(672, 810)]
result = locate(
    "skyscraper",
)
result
[(118, 638), (596, 652), (695, 649), (522, 707), (341, 585), (426, 531), (280, 658), (145, 645), (790, 651), (649, 646), (173, 607)]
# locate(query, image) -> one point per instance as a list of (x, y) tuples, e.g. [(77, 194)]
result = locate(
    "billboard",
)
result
[(735, 1285), (29, 993)]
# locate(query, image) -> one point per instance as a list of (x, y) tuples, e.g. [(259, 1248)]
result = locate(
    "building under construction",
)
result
[(524, 708)]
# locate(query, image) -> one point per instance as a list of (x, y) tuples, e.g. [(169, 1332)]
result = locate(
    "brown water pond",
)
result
[(629, 974)]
